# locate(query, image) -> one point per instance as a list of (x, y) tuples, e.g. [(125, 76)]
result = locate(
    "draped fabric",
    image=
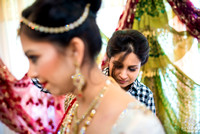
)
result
[(24, 109), (127, 17), (188, 14), (177, 97)]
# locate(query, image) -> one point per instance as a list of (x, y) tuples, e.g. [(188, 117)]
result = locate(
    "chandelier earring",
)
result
[(78, 79)]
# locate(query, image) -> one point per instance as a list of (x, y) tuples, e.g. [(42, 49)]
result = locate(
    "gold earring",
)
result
[(78, 79)]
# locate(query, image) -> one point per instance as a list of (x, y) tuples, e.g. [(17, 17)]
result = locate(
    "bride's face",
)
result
[(53, 68)]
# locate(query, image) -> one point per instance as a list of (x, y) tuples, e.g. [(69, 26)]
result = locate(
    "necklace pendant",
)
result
[(77, 123), (76, 129), (82, 131)]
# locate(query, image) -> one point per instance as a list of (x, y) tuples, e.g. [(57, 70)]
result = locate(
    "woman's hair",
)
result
[(128, 41), (57, 13)]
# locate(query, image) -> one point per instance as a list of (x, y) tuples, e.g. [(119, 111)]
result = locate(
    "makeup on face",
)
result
[(124, 72)]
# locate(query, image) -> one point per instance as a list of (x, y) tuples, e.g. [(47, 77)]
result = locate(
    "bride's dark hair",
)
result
[(56, 13)]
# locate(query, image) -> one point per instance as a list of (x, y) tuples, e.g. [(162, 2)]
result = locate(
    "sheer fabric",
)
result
[(177, 97)]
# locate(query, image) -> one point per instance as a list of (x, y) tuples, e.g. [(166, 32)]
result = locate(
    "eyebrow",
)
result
[(117, 62), (133, 66)]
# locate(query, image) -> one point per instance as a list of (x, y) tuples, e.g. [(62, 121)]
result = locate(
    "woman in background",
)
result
[(62, 40), (127, 51)]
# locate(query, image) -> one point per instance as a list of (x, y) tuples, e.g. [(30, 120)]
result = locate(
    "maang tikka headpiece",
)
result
[(56, 30)]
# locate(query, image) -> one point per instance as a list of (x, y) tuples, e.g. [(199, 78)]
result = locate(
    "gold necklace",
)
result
[(88, 116), (91, 112), (79, 120)]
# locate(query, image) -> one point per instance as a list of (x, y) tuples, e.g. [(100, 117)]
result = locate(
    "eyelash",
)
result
[(33, 58), (118, 66), (132, 70)]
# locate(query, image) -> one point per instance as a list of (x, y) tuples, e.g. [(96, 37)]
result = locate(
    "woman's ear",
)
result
[(77, 48)]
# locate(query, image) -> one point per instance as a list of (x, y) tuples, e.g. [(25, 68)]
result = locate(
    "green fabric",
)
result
[(177, 97)]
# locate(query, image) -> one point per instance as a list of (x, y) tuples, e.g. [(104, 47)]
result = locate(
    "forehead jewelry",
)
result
[(56, 30)]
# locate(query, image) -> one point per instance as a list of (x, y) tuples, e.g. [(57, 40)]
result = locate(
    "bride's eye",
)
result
[(33, 58)]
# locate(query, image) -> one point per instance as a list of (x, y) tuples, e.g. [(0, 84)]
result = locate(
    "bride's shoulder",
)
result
[(136, 118)]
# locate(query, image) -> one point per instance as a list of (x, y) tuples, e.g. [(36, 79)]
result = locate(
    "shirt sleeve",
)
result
[(150, 103)]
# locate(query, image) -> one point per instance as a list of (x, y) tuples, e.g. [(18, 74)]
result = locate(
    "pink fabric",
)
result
[(127, 17), (24, 109), (188, 14)]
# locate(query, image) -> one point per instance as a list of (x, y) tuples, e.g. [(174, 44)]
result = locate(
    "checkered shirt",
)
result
[(140, 92)]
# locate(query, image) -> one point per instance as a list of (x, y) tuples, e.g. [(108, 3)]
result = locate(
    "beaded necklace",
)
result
[(71, 117), (89, 114)]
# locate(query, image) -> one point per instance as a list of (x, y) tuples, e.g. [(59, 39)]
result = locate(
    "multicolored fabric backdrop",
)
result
[(168, 24), (172, 28)]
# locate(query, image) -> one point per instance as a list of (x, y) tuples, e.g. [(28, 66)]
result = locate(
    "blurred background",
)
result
[(180, 47)]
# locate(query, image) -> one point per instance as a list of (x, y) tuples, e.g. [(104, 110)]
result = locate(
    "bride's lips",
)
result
[(44, 84)]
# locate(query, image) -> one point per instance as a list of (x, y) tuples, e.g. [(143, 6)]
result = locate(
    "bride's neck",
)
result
[(95, 81)]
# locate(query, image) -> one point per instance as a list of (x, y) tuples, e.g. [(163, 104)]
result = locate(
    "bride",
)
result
[(61, 40)]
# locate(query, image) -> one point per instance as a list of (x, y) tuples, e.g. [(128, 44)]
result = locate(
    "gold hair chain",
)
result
[(56, 30)]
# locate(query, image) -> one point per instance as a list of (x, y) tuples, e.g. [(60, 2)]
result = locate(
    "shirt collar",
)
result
[(106, 71), (135, 85)]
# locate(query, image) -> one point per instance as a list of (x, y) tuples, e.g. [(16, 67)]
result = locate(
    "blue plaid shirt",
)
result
[(140, 92)]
